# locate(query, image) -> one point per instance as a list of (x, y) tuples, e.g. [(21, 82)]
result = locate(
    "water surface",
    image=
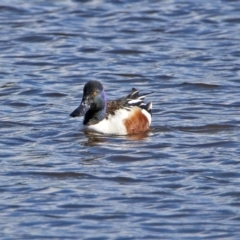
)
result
[(178, 181)]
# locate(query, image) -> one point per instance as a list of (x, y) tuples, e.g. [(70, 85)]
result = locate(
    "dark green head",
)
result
[(93, 105)]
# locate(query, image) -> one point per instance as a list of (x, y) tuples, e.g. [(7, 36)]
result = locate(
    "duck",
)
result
[(125, 116)]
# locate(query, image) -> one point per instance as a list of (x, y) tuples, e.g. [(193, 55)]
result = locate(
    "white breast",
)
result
[(112, 125)]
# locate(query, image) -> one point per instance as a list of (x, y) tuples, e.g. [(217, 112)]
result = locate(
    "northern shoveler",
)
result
[(124, 116)]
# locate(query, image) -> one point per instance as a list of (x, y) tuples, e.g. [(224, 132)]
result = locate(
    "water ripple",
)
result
[(59, 182)]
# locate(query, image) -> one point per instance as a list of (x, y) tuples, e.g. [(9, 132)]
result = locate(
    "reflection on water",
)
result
[(94, 138), (59, 182), (139, 137)]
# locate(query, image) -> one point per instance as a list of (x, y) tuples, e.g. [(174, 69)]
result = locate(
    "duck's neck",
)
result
[(97, 112), (93, 117)]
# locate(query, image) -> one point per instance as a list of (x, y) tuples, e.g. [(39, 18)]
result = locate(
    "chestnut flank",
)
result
[(136, 122)]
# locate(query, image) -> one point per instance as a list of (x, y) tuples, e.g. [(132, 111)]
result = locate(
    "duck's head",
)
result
[(93, 101)]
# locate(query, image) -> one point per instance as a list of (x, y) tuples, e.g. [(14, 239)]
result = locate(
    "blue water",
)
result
[(180, 180)]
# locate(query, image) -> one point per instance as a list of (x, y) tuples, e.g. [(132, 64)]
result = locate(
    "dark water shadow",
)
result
[(94, 139)]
